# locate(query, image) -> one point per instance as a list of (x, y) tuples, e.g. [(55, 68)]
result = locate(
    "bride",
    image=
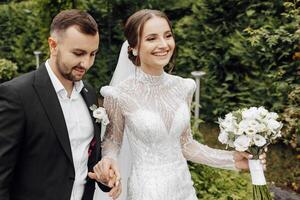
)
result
[(152, 108)]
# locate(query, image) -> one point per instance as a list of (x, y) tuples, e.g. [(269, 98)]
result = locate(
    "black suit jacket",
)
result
[(35, 155)]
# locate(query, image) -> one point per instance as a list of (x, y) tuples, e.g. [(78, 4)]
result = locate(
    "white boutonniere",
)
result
[(99, 113)]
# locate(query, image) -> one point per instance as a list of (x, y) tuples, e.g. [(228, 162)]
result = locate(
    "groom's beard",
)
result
[(66, 71)]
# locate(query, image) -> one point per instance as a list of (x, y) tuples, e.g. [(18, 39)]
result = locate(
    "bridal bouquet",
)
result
[(251, 130)]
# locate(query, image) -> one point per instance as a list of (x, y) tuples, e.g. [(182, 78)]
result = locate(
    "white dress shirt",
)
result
[(80, 129)]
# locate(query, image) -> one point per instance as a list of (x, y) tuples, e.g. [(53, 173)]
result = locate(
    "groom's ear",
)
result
[(52, 45)]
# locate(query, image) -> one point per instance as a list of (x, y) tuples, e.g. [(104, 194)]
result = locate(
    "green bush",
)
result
[(8, 70), (21, 34), (246, 53), (218, 184), (283, 42), (290, 117)]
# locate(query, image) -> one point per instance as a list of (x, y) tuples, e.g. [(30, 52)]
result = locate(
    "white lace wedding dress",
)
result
[(154, 112)]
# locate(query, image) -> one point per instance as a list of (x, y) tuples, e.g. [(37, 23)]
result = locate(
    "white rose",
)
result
[(250, 131), (223, 137), (259, 140), (101, 116), (231, 127), (99, 113), (228, 124), (242, 143), (251, 113), (261, 128), (229, 117), (243, 126), (253, 128), (272, 115), (262, 111), (274, 125)]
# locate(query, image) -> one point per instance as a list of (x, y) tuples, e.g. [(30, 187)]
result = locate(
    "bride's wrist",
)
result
[(110, 157)]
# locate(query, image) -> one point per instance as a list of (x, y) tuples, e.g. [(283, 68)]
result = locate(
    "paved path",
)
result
[(281, 194)]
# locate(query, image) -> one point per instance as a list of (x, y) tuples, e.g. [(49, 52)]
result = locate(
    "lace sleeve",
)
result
[(113, 137), (199, 153)]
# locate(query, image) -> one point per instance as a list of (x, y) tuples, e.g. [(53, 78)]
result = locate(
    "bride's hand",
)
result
[(107, 172), (115, 192), (241, 160)]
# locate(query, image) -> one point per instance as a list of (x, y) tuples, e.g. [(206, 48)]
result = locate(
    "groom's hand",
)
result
[(101, 179), (107, 172)]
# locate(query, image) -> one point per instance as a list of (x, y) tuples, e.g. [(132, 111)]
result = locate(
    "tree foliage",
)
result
[(290, 118), (247, 52), (20, 33)]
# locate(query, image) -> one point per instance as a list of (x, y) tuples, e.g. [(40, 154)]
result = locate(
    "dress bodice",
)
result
[(154, 109)]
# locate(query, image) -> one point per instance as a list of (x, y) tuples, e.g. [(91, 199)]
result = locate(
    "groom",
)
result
[(49, 140)]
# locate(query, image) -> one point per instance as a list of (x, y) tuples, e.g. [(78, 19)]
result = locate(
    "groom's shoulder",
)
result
[(18, 86), (21, 81), (88, 86)]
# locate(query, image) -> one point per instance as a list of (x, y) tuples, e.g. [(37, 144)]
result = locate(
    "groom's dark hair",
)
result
[(82, 20)]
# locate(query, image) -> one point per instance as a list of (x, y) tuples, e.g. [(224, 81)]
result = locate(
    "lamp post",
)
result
[(197, 75), (37, 58)]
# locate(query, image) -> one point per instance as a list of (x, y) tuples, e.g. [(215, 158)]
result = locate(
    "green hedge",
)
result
[(217, 184), (8, 70), (21, 34), (246, 51)]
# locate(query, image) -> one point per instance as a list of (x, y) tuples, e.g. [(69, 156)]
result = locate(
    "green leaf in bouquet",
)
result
[(255, 151), (231, 136), (238, 115)]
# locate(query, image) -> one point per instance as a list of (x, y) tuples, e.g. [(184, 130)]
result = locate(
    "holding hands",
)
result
[(107, 172)]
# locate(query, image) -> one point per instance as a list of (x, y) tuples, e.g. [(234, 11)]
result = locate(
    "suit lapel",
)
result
[(50, 102), (89, 99)]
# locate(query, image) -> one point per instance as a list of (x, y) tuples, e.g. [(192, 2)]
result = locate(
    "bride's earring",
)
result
[(134, 52)]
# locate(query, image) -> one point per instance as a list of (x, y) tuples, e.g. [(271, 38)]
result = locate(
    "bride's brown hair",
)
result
[(133, 31)]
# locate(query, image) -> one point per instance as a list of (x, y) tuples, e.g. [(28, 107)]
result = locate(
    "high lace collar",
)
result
[(150, 79)]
